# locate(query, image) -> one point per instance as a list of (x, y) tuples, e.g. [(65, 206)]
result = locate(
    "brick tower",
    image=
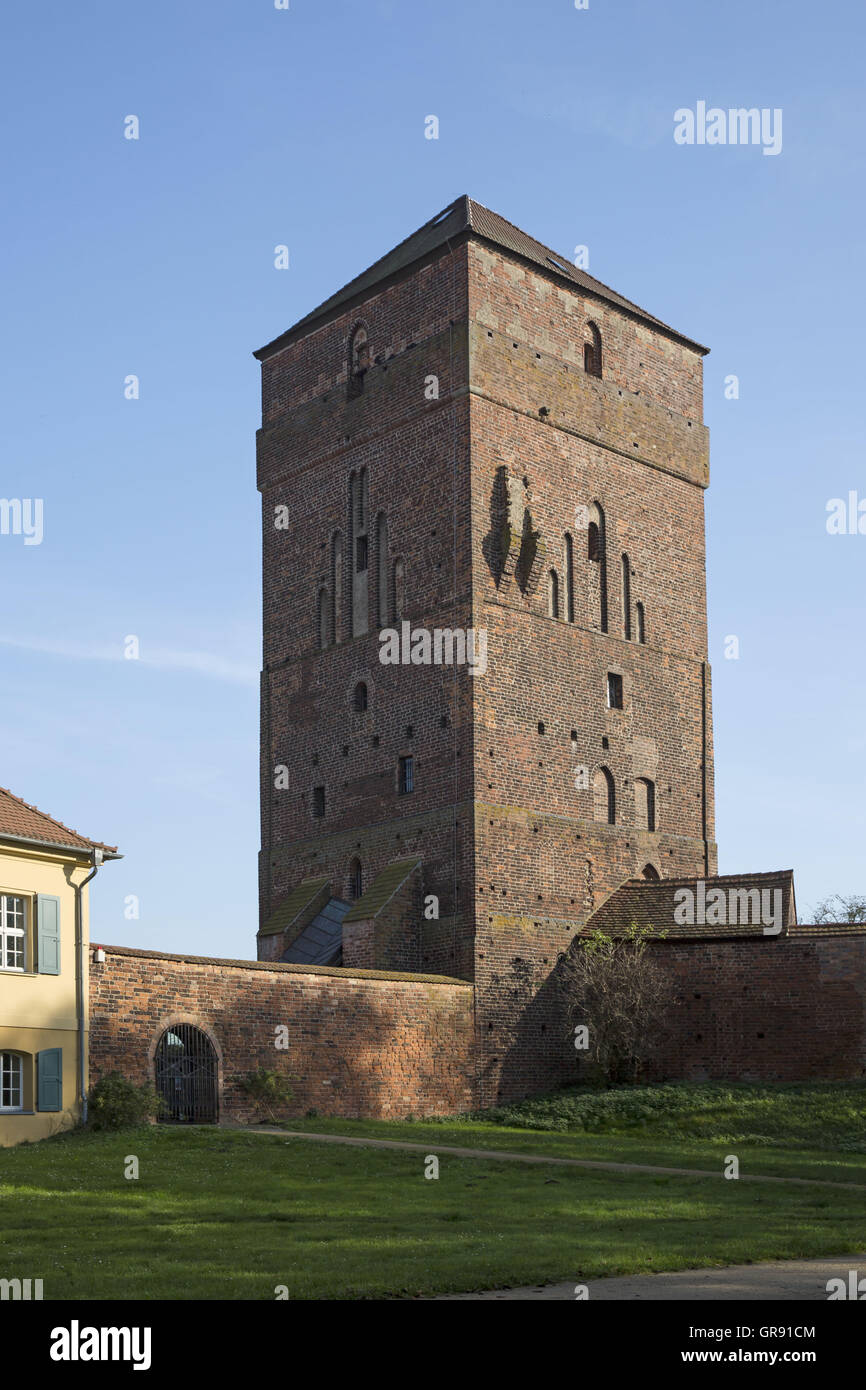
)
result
[(475, 437)]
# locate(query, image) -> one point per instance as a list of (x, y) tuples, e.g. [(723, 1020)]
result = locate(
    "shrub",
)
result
[(268, 1090), (614, 987), (116, 1103)]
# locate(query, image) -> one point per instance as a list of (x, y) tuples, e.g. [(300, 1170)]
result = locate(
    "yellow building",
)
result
[(44, 870)]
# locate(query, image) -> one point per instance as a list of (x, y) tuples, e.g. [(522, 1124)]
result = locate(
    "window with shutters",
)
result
[(13, 933), (11, 1082)]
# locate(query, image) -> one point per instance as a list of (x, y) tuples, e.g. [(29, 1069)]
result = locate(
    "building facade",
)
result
[(476, 439), (44, 871)]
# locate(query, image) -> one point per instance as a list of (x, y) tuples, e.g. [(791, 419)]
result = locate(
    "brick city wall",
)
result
[(777, 1009), (359, 1044), (787, 1008)]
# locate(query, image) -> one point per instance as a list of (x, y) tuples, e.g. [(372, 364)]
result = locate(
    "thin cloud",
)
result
[(207, 664)]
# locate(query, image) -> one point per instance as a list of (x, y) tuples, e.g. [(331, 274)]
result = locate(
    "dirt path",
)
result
[(789, 1280), (503, 1155)]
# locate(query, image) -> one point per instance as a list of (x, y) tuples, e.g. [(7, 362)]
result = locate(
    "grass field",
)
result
[(226, 1214)]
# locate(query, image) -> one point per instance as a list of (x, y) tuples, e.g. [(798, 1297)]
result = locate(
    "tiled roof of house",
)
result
[(465, 218), (21, 821), (652, 903)]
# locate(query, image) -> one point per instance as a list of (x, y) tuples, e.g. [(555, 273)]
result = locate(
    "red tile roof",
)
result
[(651, 903), (21, 821)]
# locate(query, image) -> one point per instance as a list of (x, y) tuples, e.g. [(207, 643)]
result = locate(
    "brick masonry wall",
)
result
[(359, 1044), (781, 1009), (790, 1008), (633, 443), (414, 448)]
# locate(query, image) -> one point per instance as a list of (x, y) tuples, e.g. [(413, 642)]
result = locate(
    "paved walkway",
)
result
[(789, 1280), (504, 1155)]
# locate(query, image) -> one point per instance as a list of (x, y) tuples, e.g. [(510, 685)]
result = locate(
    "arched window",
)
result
[(382, 569), (626, 598), (399, 587), (651, 872), (357, 559), (324, 623), (644, 804), (592, 351), (569, 578), (604, 797), (359, 360), (641, 622), (336, 587), (359, 698), (552, 595), (356, 880), (597, 553)]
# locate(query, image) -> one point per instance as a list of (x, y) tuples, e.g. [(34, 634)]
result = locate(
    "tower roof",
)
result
[(461, 220)]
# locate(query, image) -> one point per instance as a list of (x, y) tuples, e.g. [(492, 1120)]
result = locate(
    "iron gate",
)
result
[(186, 1076)]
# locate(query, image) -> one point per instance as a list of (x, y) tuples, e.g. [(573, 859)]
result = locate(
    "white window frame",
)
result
[(13, 928), (14, 1083)]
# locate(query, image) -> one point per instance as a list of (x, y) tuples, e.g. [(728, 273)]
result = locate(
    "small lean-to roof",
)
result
[(321, 941), (297, 901), (22, 822), (652, 903), (463, 219), (382, 889)]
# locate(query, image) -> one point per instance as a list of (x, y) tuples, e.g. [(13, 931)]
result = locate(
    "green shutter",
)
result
[(48, 939), (49, 1079)]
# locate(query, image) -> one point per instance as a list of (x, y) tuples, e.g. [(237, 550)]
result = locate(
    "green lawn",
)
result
[(799, 1131), (224, 1214)]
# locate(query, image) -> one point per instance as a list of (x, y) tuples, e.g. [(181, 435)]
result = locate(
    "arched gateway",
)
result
[(186, 1076)]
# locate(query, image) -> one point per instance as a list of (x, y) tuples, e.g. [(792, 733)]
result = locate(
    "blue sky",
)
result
[(155, 257)]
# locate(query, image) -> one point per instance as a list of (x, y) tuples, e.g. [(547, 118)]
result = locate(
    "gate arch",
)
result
[(187, 1075)]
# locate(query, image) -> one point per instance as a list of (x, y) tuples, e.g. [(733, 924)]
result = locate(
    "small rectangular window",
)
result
[(12, 933), (11, 1081), (614, 690), (407, 775), (361, 554), (318, 801)]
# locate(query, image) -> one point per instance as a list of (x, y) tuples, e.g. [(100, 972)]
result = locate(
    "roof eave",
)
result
[(80, 851)]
